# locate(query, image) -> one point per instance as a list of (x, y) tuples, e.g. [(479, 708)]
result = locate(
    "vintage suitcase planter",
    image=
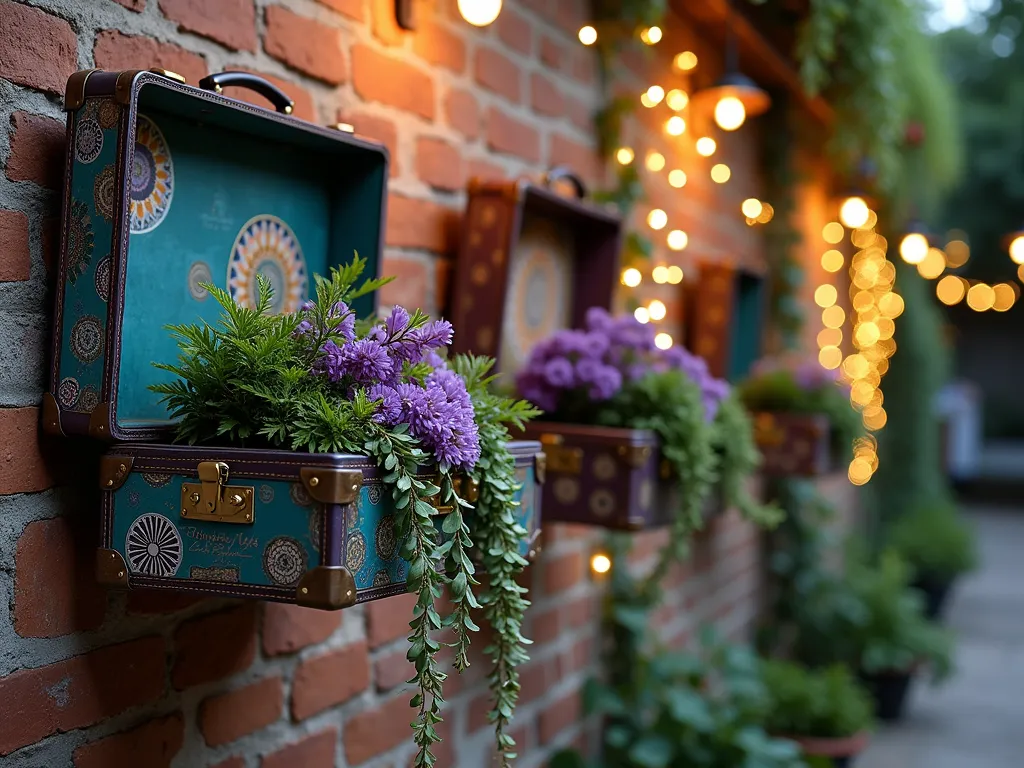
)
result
[(311, 529), (169, 186), (797, 444)]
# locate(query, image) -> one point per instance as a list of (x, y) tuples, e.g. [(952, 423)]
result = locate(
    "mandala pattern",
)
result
[(134, 497), (602, 502), (266, 494), (373, 494), (87, 339), (68, 392), (103, 192), (153, 546), (152, 178), (89, 399), (267, 246), (315, 523), (300, 496), (108, 113), (387, 544), (156, 480), (80, 240), (198, 274), (381, 579), (227, 575), (355, 551), (284, 561), (88, 140), (102, 278)]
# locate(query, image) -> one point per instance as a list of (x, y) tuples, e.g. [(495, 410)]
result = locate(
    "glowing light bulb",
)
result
[(833, 317), (677, 100), (657, 219), (675, 275), (833, 232), (832, 261), (678, 240), (600, 563), (720, 173), (706, 146), (675, 126), (751, 207), (480, 13), (933, 264), (950, 290), (625, 155), (981, 297), (1004, 296), (631, 277), (588, 35), (660, 274), (854, 212), (685, 61), (767, 213), (677, 178), (730, 113), (655, 161), (651, 35), (663, 341), (657, 310), (642, 315), (825, 295), (913, 248), (829, 357), (1017, 250), (656, 93)]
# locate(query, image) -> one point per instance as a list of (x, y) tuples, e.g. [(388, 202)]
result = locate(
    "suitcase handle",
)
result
[(565, 173), (218, 81)]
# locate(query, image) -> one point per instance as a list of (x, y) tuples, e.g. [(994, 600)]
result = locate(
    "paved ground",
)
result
[(976, 720)]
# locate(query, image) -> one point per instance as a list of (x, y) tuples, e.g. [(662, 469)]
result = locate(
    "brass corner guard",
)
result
[(99, 422), (328, 588), (114, 470), (212, 499), (51, 415), (111, 569), (74, 93), (332, 486), (635, 455)]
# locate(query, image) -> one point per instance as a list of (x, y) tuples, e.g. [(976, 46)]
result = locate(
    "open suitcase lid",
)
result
[(209, 190)]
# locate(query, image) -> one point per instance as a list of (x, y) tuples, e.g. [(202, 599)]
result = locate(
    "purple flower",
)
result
[(598, 319), (330, 362), (304, 328), (366, 361), (435, 334), (397, 322), (347, 327), (389, 407), (603, 380), (558, 373)]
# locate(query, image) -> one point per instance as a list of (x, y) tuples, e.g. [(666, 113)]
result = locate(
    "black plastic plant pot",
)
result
[(889, 690), (936, 591)]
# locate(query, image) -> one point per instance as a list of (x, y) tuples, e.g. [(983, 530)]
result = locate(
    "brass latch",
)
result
[(561, 458), (465, 488), (213, 499)]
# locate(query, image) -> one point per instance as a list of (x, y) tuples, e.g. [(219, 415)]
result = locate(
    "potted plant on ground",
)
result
[(938, 545), (825, 711)]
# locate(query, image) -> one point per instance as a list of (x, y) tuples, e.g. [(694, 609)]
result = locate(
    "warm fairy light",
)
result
[(651, 35), (588, 35), (830, 357), (646, 100), (854, 212), (675, 275), (676, 100), (655, 161), (950, 290), (480, 13), (891, 305), (1017, 250), (655, 94), (866, 334), (751, 207), (933, 264), (678, 240), (660, 274), (832, 261), (675, 126), (720, 173), (631, 277), (833, 232), (886, 327), (767, 213), (685, 61), (1004, 297), (874, 418), (625, 155), (730, 113), (830, 337), (856, 366), (600, 563), (859, 472), (706, 146), (833, 317), (663, 341), (863, 238), (1020, 273), (825, 295), (657, 310), (642, 315), (862, 392), (957, 253), (677, 178), (913, 248), (657, 219), (981, 297)]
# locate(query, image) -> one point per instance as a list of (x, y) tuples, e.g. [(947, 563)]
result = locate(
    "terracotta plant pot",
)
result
[(841, 751)]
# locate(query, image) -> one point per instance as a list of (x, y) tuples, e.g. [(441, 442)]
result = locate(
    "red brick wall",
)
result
[(92, 678)]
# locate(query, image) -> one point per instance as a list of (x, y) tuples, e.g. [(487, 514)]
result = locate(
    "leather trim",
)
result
[(114, 471), (328, 588), (332, 486), (99, 422), (74, 92), (111, 569), (51, 415)]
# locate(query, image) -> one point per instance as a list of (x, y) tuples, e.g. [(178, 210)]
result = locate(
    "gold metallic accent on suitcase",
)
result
[(635, 455), (99, 422), (169, 75), (328, 588), (540, 466), (767, 430), (111, 568), (466, 487), (212, 499), (114, 470), (74, 93), (51, 415), (561, 458), (343, 127), (332, 486)]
